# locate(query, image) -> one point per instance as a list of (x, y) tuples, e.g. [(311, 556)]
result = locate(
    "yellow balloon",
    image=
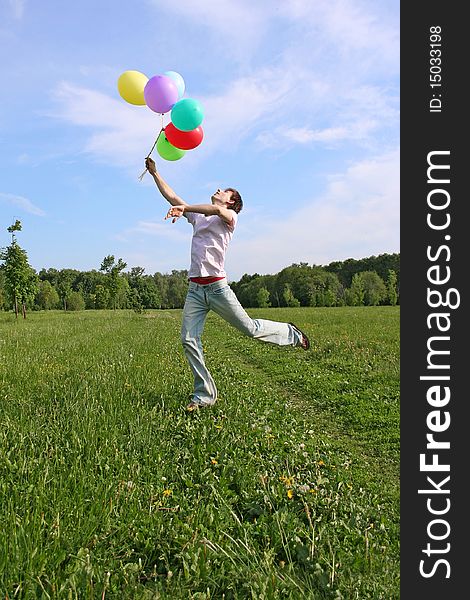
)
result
[(131, 86)]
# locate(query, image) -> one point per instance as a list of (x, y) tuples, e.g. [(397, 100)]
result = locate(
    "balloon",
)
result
[(167, 151), (186, 140), (161, 93), (179, 81), (187, 114), (131, 86)]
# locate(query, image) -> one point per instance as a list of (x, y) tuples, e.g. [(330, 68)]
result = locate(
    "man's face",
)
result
[(222, 198)]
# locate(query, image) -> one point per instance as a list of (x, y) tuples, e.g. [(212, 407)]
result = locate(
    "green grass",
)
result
[(287, 488)]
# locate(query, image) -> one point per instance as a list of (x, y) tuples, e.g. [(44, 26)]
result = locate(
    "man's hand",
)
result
[(176, 212), (150, 165)]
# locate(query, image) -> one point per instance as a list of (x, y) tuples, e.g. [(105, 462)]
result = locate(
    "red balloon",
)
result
[(184, 140)]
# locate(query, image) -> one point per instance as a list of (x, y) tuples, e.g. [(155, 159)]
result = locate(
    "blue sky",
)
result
[(301, 105)]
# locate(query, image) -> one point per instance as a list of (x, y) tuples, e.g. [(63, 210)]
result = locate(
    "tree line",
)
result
[(369, 281)]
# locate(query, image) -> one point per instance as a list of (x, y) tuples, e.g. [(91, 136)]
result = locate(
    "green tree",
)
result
[(3, 298), (147, 291), (355, 294), (65, 279), (121, 299), (289, 298), (86, 283), (299, 279), (21, 281), (135, 301), (380, 264), (113, 269), (247, 289), (374, 288), (47, 297), (75, 301), (161, 284), (392, 295), (101, 296), (249, 292), (262, 298), (177, 288)]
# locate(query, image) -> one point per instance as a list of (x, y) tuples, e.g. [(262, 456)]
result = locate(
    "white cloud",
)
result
[(120, 134), (22, 203), (151, 228), (357, 216), (302, 135), (348, 26), (236, 26), (244, 105)]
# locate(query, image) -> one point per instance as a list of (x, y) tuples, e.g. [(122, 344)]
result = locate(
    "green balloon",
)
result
[(187, 114), (167, 150)]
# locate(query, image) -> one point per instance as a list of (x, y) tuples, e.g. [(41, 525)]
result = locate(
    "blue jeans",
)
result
[(220, 298)]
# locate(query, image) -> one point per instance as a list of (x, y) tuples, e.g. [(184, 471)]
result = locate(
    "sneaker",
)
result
[(304, 341)]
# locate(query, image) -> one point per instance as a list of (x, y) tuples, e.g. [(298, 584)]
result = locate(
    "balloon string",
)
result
[(152, 149)]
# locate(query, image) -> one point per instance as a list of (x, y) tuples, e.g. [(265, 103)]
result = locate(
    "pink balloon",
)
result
[(161, 93)]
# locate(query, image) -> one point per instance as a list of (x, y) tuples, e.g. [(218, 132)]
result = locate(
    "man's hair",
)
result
[(238, 204)]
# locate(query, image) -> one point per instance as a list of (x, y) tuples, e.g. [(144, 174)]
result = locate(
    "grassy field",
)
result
[(287, 488)]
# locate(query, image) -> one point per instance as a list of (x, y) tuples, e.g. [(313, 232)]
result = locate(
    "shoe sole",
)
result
[(304, 336), (192, 407)]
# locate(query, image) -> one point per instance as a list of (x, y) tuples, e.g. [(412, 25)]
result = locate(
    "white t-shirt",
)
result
[(211, 236)]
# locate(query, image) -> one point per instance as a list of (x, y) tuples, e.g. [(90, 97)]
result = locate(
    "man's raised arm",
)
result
[(165, 190), (204, 209)]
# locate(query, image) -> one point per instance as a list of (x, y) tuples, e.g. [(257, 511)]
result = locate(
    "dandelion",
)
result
[(290, 494), (320, 463), (167, 493), (287, 481), (213, 461)]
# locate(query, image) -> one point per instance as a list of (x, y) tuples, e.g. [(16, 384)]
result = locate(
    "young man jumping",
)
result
[(213, 227)]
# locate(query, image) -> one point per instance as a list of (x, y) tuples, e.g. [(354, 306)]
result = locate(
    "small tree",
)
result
[(101, 296), (3, 299), (75, 301), (64, 285), (21, 281), (113, 270), (392, 295), (47, 297), (374, 288), (289, 297), (177, 288), (355, 294), (262, 298)]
